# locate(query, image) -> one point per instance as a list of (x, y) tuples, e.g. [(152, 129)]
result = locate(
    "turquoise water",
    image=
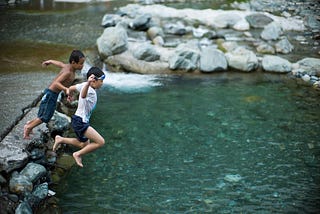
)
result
[(216, 144)]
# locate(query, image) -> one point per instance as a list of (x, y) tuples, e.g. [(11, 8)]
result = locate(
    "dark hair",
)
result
[(96, 71), (75, 56)]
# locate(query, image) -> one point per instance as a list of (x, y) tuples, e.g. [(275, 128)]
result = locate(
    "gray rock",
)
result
[(176, 28), (310, 66), (226, 20), (184, 59), (271, 31), (59, 123), (284, 46), (13, 148), (147, 53), (33, 171), (114, 40), (154, 31), (212, 59), (242, 59), (20, 184), (258, 20), (110, 20), (141, 22), (265, 48), (276, 64), (24, 208)]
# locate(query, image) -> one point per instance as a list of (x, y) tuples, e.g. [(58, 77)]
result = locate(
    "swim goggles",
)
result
[(100, 78)]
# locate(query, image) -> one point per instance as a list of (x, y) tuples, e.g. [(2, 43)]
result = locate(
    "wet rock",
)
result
[(59, 123), (39, 193), (14, 149), (2, 180), (24, 208), (20, 184), (33, 172), (233, 178)]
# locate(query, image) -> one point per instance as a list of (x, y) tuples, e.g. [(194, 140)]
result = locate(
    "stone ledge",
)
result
[(13, 148)]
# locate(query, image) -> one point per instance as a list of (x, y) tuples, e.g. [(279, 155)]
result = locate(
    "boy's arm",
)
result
[(70, 91), (85, 88), (57, 83), (53, 62)]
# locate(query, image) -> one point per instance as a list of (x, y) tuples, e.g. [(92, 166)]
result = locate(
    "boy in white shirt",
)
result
[(80, 120)]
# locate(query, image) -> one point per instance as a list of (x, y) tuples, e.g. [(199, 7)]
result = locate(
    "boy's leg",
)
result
[(27, 129), (97, 141), (71, 141)]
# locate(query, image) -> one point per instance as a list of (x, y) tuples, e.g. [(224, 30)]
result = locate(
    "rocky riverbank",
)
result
[(158, 39)]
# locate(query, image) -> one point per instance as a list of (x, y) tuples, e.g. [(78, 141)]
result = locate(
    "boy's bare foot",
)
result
[(78, 159), (57, 141), (26, 132)]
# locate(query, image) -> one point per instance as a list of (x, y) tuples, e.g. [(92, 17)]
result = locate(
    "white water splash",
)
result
[(127, 82), (131, 83)]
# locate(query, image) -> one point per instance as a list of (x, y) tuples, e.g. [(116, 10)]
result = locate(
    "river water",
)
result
[(199, 145), (224, 143)]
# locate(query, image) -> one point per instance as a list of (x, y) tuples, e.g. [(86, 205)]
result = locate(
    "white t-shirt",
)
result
[(86, 105)]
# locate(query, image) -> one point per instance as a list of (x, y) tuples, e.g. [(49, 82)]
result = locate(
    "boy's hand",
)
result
[(69, 95), (46, 63), (91, 78)]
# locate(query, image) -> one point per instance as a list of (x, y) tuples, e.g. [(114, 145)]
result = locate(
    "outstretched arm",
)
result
[(53, 62)]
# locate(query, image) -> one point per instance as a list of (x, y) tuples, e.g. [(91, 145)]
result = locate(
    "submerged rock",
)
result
[(232, 178)]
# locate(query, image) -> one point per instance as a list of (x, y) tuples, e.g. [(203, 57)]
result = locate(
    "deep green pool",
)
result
[(216, 144)]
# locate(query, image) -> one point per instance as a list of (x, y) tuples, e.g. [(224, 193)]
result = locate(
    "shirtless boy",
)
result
[(60, 83)]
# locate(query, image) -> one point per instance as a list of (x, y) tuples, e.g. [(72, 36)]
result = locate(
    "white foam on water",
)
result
[(127, 82), (131, 83)]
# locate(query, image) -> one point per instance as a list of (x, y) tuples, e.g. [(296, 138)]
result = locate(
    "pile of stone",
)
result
[(158, 39), (28, 168)]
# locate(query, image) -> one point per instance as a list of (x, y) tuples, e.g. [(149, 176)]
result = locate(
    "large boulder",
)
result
[(114, 40)]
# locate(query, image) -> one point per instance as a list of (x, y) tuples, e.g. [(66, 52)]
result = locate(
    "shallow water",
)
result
[(200, 145)]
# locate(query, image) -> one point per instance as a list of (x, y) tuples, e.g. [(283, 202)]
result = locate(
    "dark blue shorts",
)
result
[(79, 128), (48, 105)]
